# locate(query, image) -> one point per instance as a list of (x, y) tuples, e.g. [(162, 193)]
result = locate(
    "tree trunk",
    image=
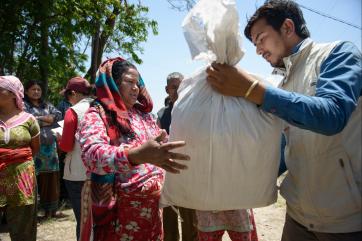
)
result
[(99, 41), (92, 71), (44, 45), (7, 55), (24, 56), (9, 32)]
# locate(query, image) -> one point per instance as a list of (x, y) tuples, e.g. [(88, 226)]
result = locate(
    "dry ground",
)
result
[(269, 221)]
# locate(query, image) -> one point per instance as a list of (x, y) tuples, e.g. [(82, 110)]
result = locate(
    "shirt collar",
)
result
[(298, 47)]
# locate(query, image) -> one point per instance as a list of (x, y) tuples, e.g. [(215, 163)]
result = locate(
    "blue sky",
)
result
[(168, 51)]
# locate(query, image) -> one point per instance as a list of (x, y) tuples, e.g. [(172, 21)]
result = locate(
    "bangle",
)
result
[(253, 85)]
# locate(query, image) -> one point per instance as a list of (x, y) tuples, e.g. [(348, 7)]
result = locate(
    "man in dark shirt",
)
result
[(162, 118)]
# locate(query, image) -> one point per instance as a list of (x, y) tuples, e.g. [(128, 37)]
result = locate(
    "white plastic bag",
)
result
[(234, 146)]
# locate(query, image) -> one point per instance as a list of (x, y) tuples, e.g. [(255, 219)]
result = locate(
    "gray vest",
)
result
[(323, 185)]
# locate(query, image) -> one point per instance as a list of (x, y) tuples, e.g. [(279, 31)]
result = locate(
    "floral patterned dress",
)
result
[(47, 158), (137, 215), (239, 224), (47, 161), (17, 180)]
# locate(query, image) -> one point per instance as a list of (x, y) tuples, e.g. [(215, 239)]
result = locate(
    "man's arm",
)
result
[(337, 92), (338, 89)]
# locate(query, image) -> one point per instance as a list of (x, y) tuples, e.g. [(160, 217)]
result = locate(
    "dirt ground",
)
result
[(269, 221)]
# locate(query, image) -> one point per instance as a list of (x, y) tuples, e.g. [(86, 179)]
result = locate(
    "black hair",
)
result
[(275, 12), (67, 94), (28, 85), (118, 68)]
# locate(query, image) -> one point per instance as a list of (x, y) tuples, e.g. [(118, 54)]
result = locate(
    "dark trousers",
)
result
[(294, 231), (170, 224), (74, 189), (21, 222)]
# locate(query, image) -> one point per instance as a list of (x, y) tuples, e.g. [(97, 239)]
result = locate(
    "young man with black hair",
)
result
[(319, 100)]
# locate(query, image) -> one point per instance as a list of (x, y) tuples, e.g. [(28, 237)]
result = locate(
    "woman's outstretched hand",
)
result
[(155, 152)]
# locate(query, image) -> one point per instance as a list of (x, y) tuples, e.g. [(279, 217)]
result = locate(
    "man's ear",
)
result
[(166, 89), (288, 27)]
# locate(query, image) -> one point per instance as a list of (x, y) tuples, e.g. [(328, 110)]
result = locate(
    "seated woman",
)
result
[(124, 151)]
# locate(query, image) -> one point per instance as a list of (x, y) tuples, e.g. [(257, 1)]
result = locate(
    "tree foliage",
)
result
[(47, 39)]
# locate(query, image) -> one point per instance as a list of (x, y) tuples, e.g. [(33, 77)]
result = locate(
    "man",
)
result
[(170, 219), (164, 115), (160, 114), (320, 102)]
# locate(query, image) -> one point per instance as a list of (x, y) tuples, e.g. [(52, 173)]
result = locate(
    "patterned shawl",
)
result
[(109, 96), (98, 196)]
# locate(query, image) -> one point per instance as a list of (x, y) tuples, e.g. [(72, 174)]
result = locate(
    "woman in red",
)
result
[(123, 150)]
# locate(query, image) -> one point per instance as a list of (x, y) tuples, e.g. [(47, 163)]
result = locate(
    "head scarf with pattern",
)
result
[(109, 95), (99, 190), (13, 84)]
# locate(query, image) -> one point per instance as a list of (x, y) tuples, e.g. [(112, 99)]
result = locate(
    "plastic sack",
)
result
[(234, 146)]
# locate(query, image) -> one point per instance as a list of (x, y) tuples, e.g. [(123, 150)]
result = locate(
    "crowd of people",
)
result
[(117, 152)]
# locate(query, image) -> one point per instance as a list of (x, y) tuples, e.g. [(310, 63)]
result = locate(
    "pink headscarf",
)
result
[(13, 84)]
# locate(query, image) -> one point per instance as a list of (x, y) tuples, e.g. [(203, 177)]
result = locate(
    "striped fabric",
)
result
[(98, 195), (109, 96)]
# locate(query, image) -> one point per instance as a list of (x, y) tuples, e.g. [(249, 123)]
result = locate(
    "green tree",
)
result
[(121, 29), (47, 39)]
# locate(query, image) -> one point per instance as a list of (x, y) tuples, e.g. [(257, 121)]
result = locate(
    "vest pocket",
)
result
[(332, 187), (348, 173)]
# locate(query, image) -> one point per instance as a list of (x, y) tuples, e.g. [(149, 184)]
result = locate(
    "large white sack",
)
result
[(234, 146)]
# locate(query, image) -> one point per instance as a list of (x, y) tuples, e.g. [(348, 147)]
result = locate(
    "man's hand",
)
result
[(156, 152), (226, 80), (231, 81)]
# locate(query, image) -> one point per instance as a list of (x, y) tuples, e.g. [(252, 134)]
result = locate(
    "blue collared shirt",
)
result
[(338, 89)]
